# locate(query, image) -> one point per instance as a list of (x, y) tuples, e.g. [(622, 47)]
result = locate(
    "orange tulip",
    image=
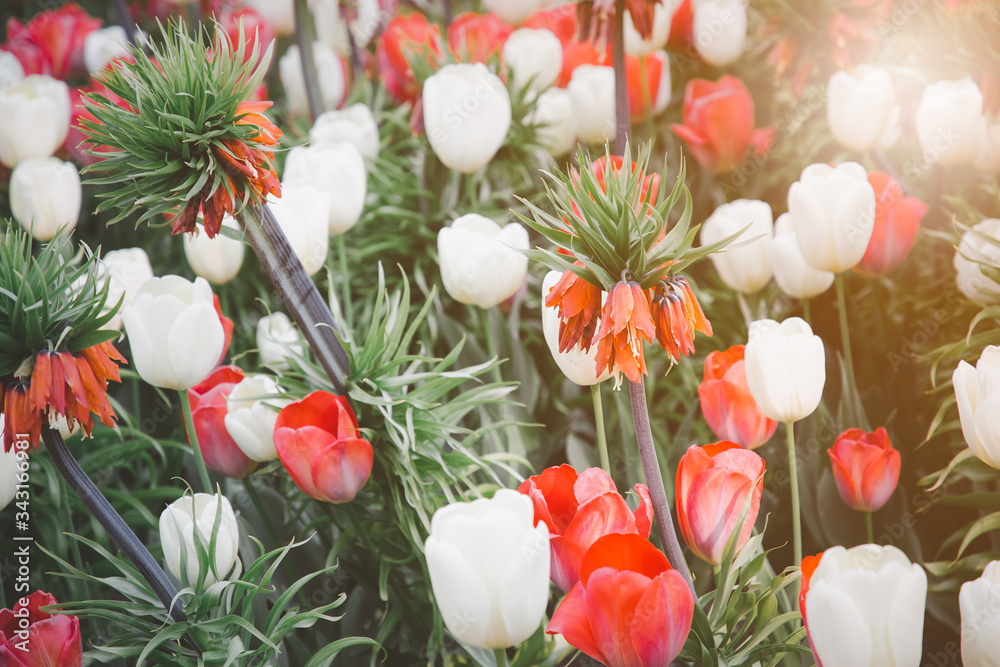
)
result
[(712, 485), (406, 37), (865, 467), (897, 220), (726, 401), (475, 38)]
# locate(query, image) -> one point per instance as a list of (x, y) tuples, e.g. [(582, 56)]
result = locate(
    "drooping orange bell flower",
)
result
[(677, 316), (625, 321), (578, 305)]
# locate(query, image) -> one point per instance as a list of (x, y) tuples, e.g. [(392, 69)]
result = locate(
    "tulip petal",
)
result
[(296, 449), (662, 619), (611, 597), (340, 469), (906, 617), (987, 427), (460, 593), (54, 641), (644, 512), (524, 590), (570, 620), (591, 483), (833, 616), (192, 360)]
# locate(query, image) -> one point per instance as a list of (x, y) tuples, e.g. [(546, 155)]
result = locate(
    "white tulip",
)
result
[(45, 195), (331, 28), (489, 569), (127, 271), (554, 116), (950, 122), (791, 270), (744, 269), (663, 15), (189, 522), (865, 608), (480, 262), (861, 107), (466, 115), (719, 29), (104, 45), (337, 170), (579, 366), (972, 249), (277, 341), (175, 332), (664, 89), (786, 368), (331, 72), (303, 213), (833, 214), (979, 601), (534, 57), (513, 11), (592, 89), (35, 114), (279, 13), (989, 152), (354, 124), (218, 259), (977, 391), (251, 413), (11, 71), (369, 21)]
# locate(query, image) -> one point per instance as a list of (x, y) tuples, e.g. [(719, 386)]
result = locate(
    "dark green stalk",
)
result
[(125, 19), (303, 38), (622, 123)]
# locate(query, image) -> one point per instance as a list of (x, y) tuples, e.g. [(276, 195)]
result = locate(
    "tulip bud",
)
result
[(331, 72), (554, 117), (979, 601), (950, 123), (45, 195), (636, 44), (466, 115), (175, 332), (354, 124), (187, 526), (865, 467), (873, 595), (592, 89), (252, 410), (579, 366), (513, 11), (977, 391), (833, 214), (11, 71), (897, 221), (480, 262), (104, 45), (489, 569), (303, 213), (713, 485), (746, 268), (972, 250), (277, 341), (319, 444), (786, 368), (792, 272), (30, 637), (728, 405), (126, 270), (720, 30), (35, 116), (337, 170), (218, 259), (629, 608), (861, 108), (279, 13), (208, 412), (534, 57)]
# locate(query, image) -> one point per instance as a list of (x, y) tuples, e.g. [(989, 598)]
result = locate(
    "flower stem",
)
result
[(345, 283), (845, 335), (602, 438), (654, 480), (870, 525), (621, 83), (805, 312), (793, 474), (125, 20), (303, 38), (206, 483), (500, 654), (297, 290), (112, 522)]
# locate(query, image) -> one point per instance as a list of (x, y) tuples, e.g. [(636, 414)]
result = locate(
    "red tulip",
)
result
[(650, 184), (718, 123), (580, 53), (30, 637), (865, 467), (475, 38), (318, 442), (255, 29), (897, 219), (580, 509), (52, 42), (712, 485), (726, 401), (405, 38), (561, 20), (652, 66), (227, 327), (682, 28), (208, 411), (629, 609)]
